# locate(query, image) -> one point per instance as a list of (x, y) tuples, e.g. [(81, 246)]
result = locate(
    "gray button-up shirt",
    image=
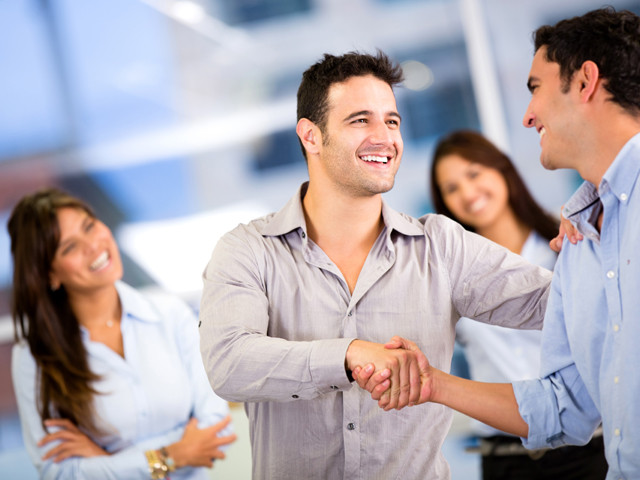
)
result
[(277, 318)]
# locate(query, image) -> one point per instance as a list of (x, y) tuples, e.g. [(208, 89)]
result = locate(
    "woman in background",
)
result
[(109, 382), (477, 185)]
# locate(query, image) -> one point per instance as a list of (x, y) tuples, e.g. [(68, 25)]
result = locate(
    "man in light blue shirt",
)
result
[(585, 105)]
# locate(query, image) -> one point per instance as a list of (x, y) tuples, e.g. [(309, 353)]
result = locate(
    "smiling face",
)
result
[(552, 111), (476, 195), (361, 146), (87, 257)]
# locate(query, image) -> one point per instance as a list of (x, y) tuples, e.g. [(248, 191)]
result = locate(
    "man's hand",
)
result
[(73, 443), (566, 228), (393, 373)]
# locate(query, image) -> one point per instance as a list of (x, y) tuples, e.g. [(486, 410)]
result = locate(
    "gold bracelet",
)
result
[(157, 468)]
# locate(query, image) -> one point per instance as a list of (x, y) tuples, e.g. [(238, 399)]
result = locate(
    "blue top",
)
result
[(146, 398), (590, 353), (498, 354)]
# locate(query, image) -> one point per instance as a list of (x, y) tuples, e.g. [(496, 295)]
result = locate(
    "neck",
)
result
[(604, 144), (508, 231), (97, 308), (339, 218)]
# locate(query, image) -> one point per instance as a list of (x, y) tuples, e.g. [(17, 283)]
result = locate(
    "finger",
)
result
[(378, 378), (192, 424), (55, 452), (379, 390), (227, 440), (362, 375), (222, 424), (415, 384), (405, 381), (62, 435), (218, 455), (61, 423), (385, 398), (395, 342)]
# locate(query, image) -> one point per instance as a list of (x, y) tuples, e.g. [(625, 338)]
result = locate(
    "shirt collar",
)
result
[(291, 217), (620, 178), (134, 305)]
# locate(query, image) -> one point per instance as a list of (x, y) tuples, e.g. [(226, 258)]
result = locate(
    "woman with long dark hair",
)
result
[(109, 381), (476, 184)]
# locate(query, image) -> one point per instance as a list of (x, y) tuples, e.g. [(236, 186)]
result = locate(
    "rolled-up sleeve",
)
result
[(557, 408)]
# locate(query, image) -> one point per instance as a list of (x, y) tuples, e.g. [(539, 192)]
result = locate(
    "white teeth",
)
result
[(477, 205), (100, 262), (374, 158), (542, 132)]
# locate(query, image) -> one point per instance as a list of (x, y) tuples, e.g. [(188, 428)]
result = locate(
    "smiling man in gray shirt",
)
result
[(294, 300)]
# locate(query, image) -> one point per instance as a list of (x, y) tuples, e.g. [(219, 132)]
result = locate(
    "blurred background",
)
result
[(175, 120)]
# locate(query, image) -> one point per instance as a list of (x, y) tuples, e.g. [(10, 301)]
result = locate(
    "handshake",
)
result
[(396, 374)]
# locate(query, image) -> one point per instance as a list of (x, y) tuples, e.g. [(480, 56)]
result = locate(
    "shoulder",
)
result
[(153, 304), (435, 223), (536, 250)]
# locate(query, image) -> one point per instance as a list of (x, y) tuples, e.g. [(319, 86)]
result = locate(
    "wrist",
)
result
[(350, 357), (174, 452)]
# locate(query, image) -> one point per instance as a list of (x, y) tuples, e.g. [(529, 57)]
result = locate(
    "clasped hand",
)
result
[(396, 374)]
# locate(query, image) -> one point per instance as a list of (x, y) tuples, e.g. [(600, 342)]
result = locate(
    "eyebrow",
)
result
[(369, 113), (66, 241)]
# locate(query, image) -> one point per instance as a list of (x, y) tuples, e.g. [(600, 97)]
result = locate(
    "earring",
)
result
[(54, 288)]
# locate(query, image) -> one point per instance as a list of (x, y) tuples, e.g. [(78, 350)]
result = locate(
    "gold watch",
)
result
[(157, 467)]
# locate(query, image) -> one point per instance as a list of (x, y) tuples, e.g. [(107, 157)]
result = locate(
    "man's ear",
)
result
[(309, 135), (588, 79)]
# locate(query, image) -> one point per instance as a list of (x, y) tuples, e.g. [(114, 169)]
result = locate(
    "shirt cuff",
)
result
[(537, 406), (327, 364)]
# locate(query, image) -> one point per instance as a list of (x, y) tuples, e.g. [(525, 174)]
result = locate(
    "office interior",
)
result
[(175, 120)]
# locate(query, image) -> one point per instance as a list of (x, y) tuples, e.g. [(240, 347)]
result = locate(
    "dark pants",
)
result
[(563, 463)]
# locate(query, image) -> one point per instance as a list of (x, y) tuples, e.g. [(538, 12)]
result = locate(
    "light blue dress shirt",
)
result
[(146, 398), (590, 353)]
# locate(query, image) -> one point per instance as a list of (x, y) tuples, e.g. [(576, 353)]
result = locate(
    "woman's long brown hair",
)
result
[(43, 317), (475, 148)]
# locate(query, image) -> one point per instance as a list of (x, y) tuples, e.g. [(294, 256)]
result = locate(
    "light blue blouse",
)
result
[(146, 398)]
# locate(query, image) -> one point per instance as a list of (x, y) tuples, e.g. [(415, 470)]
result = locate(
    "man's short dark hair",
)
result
[(313, 92), (608, 38)]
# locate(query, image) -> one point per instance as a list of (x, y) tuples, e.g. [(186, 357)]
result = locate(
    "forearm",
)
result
[(257, 368), (491, 403)]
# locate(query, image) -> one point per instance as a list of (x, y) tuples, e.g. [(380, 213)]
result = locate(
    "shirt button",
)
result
[(334, 387), (616, 432), (304, 235), (616, 379), (616, 328), (611, 274), (351, 426), (295, 396), (349, 314), (623, 197)]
